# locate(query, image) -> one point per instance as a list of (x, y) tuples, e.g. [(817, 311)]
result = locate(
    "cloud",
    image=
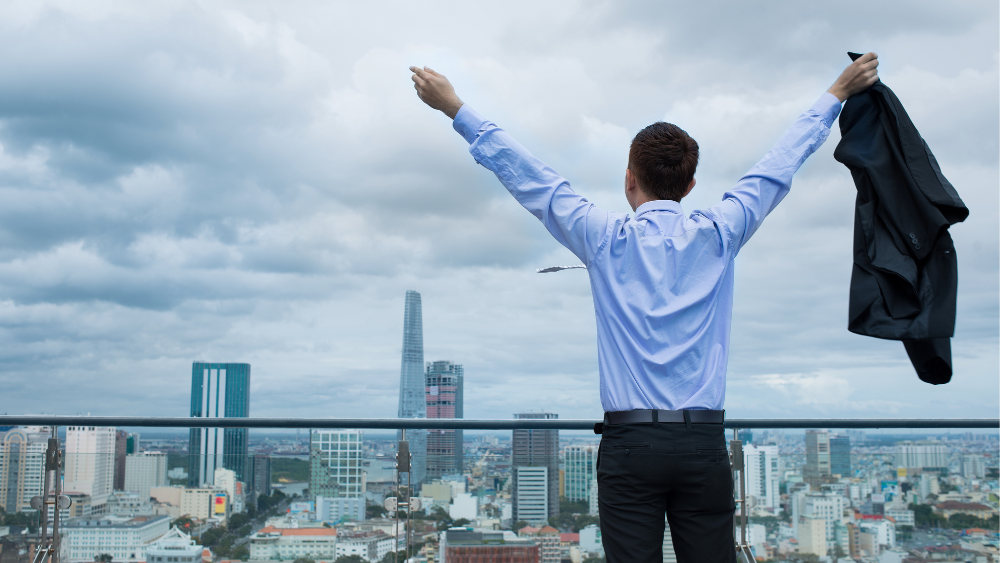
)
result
[(255, 182)]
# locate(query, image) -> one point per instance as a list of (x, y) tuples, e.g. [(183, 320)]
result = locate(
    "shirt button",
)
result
[(627, 452)]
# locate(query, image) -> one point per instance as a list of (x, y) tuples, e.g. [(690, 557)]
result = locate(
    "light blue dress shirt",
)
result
[(662, 281)]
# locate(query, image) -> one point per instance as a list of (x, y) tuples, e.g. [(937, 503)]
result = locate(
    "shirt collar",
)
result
[(668, 205)]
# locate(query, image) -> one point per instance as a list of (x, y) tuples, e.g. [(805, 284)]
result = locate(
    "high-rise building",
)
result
[(580, 463), (90, 463), (335, 464), (412, 400), (817, 468), (260, 476), (973, 466), (144, 471), (121, 450), (761, 464), (840, 456), (921, 454), (537, 448), (132, 443), (218, 391), (444, 384), (22, 466)]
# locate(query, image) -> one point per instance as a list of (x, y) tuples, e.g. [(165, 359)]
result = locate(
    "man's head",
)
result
[(661, 163)]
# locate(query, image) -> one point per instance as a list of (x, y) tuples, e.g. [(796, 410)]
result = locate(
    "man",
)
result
[(662, 284)]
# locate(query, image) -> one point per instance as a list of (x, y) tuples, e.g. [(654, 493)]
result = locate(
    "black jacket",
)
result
[(905, 276)]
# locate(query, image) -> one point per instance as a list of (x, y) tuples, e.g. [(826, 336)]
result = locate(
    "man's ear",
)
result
[(690, 187)]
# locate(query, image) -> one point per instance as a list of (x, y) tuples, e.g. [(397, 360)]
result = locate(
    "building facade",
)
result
[(121, 450), (531, 491), (580, 464), (412, 400), (218, 391), (260, 476), (761, 464), (537, 448), (444, 382), (372, 545), (90, 463), (174, 547), (464, 545), (817, 468), (289, 544), (144, 471), (123, 538), (335, 464), (840, 456), (22, 466), (333, 510), (920, 455)]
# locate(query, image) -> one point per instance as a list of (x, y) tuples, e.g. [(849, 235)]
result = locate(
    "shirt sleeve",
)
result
[(744, 207), (575, 222)]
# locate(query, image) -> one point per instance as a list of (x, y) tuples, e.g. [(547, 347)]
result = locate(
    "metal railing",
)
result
[(471, 424), (47, 549)]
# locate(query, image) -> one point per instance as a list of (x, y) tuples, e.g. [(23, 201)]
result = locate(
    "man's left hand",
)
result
[(435, 90)]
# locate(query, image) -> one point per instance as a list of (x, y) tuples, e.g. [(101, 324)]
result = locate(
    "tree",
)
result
[(375, 511), (584, 520), (305, 560), (520, 524), (241, 552), (461, 522), (350, 559), (183, 523), (103, 558)]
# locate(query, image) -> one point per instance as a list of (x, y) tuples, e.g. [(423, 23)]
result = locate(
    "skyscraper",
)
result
[(817, 468), (445, 388), (840, 456), (335, 464), (412, 402), (537, 448), (121, 450), (90, 463), (581, 470), (218, 391), (22, 466)]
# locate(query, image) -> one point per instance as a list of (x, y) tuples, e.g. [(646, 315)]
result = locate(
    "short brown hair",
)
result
[(663, 158)]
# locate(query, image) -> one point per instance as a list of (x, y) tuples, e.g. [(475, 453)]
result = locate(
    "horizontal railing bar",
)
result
[(467, 424)]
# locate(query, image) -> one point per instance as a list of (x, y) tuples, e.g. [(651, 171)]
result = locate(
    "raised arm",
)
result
[(744, 208), (575, 223)]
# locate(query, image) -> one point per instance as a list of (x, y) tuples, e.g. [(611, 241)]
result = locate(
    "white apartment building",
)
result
[(144, 471), (902, 516), (761, 464), (812, 535), (827, 506), (921, 454), (90, 463), (580, 466), (22, 466), (373, 546), (124, 539), (128, 504), (225, 479), (532, 493), (973, 466), (336, 463), (199, 503), (337, 509), (289, 544), (174, 547)]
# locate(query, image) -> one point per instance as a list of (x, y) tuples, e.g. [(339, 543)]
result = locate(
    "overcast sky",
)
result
[(258, 182)]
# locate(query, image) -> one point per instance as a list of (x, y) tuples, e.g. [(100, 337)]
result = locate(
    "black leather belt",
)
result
[(648, 416)]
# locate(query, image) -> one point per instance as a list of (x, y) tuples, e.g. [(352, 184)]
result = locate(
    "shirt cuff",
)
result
[(468, 123), (828, 107)]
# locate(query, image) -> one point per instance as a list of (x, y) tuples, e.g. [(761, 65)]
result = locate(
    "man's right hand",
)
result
[(435, 90), (857, 77)]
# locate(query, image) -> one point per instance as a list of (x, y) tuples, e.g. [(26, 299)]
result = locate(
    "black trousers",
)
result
[(644, 471)]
